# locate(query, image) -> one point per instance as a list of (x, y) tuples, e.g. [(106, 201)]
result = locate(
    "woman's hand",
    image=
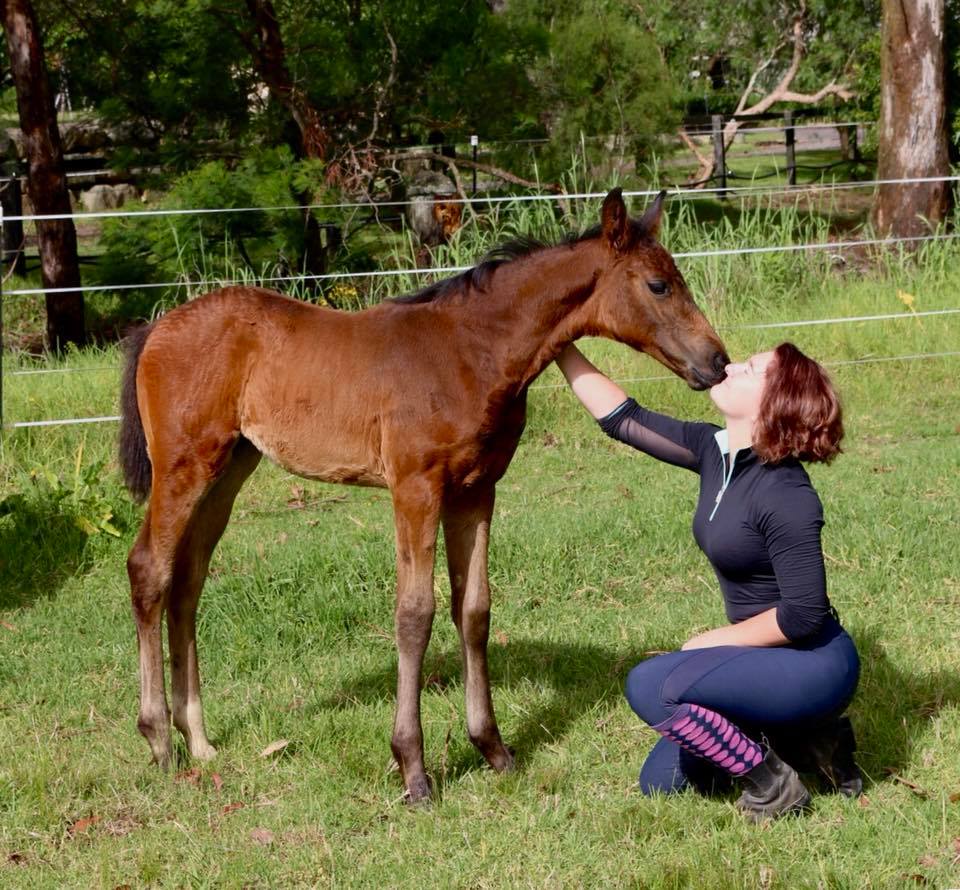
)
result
[(597, 392), (760, 630)]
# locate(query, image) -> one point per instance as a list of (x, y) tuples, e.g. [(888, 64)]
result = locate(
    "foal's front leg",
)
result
[(466, 530), (416, 515)]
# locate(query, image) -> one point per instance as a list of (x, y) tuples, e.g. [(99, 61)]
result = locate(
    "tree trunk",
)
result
[(46, 181), (269, 56), (913, 137)]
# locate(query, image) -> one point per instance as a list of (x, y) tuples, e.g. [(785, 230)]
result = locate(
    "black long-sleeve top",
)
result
[(758, 524)]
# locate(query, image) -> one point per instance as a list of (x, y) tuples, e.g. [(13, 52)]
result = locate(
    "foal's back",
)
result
[(321, 392)]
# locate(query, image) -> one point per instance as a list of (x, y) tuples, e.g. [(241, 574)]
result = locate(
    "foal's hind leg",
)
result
[(150, 567), (466, 530), (190, 571)]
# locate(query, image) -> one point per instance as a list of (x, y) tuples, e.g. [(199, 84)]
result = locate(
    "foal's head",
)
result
[(643, 301)]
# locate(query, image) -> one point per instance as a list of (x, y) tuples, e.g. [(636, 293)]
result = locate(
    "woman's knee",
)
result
[(643, 691)]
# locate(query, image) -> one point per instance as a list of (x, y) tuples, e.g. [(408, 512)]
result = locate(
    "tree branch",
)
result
[(780, 93), (383, 89), (472, 165)]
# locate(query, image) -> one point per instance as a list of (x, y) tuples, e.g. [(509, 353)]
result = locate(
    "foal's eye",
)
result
[(658, 288)]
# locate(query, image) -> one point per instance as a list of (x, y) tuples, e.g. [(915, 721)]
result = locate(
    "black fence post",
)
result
[(11, 199), (719, 154), (790, 137)]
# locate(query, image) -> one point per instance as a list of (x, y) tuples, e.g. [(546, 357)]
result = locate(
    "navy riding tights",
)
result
[(712, 705)]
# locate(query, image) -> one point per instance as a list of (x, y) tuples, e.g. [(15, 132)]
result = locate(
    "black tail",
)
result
[(137, 473)]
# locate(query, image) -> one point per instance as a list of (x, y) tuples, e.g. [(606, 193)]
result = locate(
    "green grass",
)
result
[(593, 568)]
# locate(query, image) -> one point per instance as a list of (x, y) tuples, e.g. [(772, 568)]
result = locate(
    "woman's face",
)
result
[(738, 396)]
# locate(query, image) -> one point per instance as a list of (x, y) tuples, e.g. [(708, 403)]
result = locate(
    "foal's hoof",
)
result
[(502, 759), (203, 751), (418, 791)]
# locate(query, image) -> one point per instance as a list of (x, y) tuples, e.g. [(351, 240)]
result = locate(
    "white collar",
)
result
[(722, 438)]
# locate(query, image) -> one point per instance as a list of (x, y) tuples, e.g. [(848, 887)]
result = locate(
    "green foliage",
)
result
[(54, 519), (208, 247), (79, 497), (601, 76), (736, 38)]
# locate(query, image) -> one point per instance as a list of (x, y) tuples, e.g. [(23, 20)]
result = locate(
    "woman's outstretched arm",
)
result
[(598, 393), (665, 438)]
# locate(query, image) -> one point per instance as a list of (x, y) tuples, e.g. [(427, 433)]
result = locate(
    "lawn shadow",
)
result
[(40, 547), (580, 676), (892, 709)]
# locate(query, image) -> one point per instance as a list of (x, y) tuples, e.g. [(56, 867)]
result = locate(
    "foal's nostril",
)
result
[(720, 361)]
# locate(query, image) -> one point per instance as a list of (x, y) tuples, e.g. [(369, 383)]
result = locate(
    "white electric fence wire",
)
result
[(676, 192), (892, 316), (441, 270), (863, 361)]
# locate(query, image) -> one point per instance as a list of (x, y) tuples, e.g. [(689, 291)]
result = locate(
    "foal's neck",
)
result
[(535, 306)]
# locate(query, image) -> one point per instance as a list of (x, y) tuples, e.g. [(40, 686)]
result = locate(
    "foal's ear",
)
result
[(650, 221), (614, 221)]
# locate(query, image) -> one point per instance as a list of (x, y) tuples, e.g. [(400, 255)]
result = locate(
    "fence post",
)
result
[(475, 143), (790, 135), (11, 198), (719, 154), (3, 234)]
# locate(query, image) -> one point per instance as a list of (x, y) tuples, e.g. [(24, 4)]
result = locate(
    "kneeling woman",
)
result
[(778, 677)]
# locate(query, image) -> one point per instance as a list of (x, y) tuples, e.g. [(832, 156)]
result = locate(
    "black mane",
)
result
[(479, 276)]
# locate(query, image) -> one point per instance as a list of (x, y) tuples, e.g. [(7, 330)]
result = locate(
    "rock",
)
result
[(108, 197), (99, 198), (125, 194)]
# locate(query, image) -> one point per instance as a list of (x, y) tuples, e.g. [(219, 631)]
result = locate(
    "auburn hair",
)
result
[(800, 414)]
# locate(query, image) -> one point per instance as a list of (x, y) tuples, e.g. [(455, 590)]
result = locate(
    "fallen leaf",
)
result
[(8, 626), (906, 299), (81, 825), (501, 638), (296, 497), (190, 776), (955, 797), (217, 781), (231, 808), (863, 801), (263, 836), (273, 747), (928, 860)]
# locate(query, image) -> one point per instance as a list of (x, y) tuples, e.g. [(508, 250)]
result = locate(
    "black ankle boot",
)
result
[(826, 750), (772, 789), (832, 751)]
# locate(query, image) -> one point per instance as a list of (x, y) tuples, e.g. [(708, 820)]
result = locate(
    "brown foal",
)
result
[(425, 395)]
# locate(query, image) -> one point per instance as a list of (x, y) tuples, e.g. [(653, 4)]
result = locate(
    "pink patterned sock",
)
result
[(709, 735)]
